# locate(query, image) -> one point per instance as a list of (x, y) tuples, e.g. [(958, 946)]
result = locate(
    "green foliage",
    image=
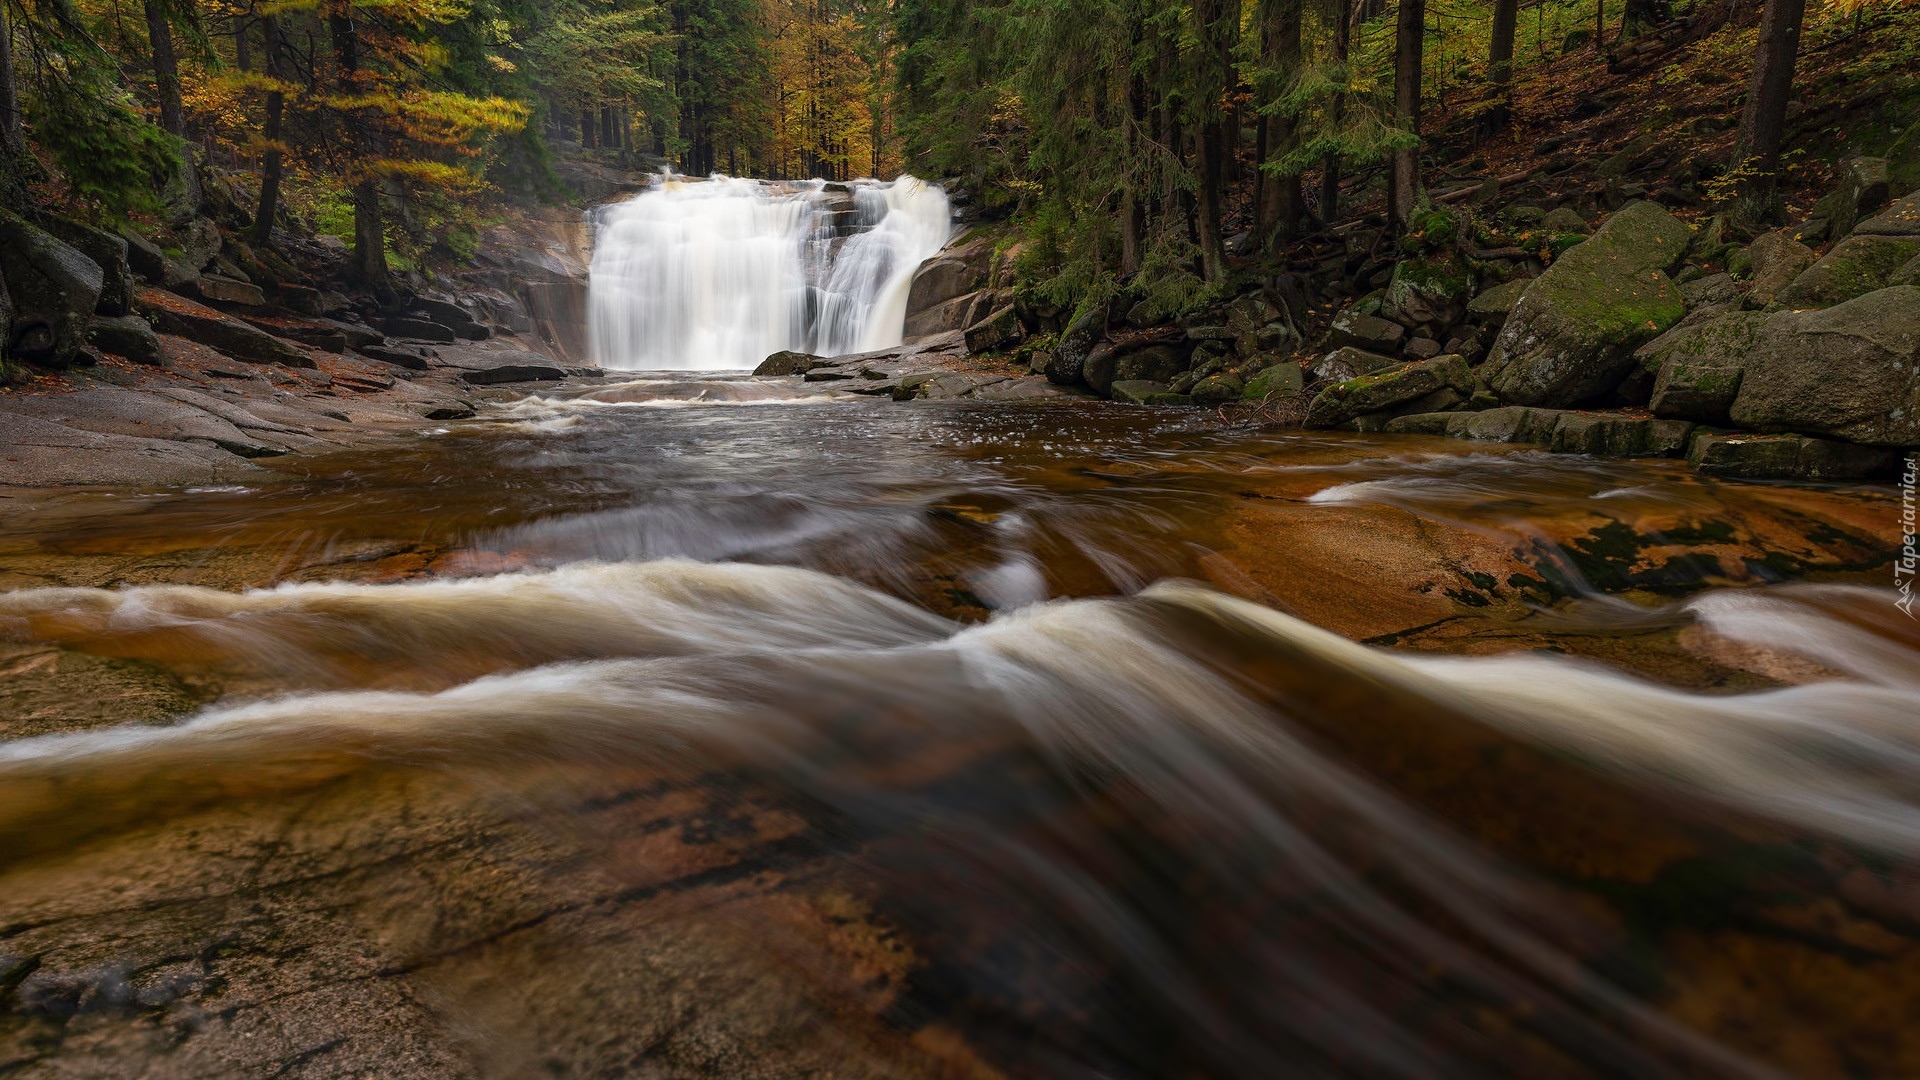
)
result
[(109, 156)]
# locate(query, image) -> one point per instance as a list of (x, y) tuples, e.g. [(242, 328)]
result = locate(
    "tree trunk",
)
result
[(1336, 112), (1213, 248), (1506, 16), (166, 71), (1282, 51), (13, 143), (1409, 39), (242, 44), (1756, 148), (369, 260), (606, 127), (270, 164)]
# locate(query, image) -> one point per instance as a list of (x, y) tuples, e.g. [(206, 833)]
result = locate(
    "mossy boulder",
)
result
[(1282, 379), (1218, 389), (109, 253), (1429, 294), (1746, 456), (1571, 336), (1861, 188), (1491, 308), (1850, 372), (1855, 267), (1900, 219), (1774, 260), (1381, 392), (1697, 366)]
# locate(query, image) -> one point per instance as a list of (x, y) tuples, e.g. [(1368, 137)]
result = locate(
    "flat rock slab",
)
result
[(142, 415), (43, 453)]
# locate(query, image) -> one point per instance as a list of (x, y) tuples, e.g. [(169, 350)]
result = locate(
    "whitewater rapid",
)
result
[(713, 275)]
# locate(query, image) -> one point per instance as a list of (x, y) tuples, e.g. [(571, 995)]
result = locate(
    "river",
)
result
[(699, 725)]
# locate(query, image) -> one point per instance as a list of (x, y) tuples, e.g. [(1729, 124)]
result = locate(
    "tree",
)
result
[(1278, 197), (1409, 39), (1506, 16), (270, 167), (13, 144), (1756, 146), (1217, 26)]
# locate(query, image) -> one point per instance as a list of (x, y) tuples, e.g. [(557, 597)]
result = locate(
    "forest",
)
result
[(1123, 135)]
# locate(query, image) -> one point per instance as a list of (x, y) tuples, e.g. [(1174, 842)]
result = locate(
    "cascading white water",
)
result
[(715, 274)]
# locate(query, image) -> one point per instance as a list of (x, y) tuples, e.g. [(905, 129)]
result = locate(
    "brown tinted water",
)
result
[(694, 728)]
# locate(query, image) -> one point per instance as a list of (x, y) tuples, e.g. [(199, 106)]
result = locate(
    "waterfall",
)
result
[(715, 274)]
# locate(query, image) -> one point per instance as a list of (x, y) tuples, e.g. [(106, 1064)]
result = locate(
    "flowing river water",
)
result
[(705, 726)]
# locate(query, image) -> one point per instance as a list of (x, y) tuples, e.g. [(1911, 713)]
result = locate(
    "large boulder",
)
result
[(1069, 361), (54, 289), (109, 252), (996, 331), (1745, 456), (1900, 219), (789, 362), (1348, 362), (1851, 371), (1859, 191), (1697, 365), (1490, 308), (1776, 258), (1386, 390), (1430, 295), (1354, 327), (1571, 336), (1855, 267), (125, 335), (1155, 362)]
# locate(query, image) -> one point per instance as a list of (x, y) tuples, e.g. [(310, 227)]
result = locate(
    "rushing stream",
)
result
[(702, 726)]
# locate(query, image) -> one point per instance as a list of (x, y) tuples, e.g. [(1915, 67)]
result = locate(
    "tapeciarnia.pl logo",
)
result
[(1904, 566)]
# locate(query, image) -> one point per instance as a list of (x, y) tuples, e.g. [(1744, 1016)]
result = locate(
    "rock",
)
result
[(1860, 189), (1282, 379), (230, 291), (302, 299), (1422, 348), (420, 330), (317, 334), (109, 253), (1152, 364), (997, 331), (411, 359), (1218, 389), (1788, 457), (54, 289), (1372, 333), (1851, 371), (1856, 266), (125, 335), (941, 280), (1562, 221), (1338, 404), (1142, 392), (1777, 259), (1721, 341), (1490, 307), (1570, 338), (200, 241), (1429, 295), (1900, 219), (788, 362), (513, 373), (1348, 363), (1069, 362), (955, 314), (1908, 274), (1686, 390), (1712, 289), (1618, 436), (144, 256), (138, 414), (1038, 361), (444, 312), (355, 334), (228, 335)]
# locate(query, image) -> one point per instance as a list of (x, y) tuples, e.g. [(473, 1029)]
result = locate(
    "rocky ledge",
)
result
[(1643, 336), (132, 364)]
